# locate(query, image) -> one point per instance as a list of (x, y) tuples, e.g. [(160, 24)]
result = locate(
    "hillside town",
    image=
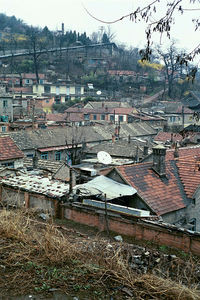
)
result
[(98, 135)]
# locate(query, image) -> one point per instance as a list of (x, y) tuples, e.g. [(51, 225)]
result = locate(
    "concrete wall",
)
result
[(14, 197), (174, 216)]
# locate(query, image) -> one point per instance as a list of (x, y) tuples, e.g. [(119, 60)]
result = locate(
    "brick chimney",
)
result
[(159, 153), (113, 138)]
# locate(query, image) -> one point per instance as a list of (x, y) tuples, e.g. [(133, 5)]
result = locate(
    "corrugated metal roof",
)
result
[(104, 185)]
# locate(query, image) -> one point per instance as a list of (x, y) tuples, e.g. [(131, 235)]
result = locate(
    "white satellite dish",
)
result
[(98, 92), (104, 157)]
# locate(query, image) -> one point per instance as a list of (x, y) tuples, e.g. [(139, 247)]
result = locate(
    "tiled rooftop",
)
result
[(170, 193), (162, 195), (8, 149), (168, 136), (189, 173)]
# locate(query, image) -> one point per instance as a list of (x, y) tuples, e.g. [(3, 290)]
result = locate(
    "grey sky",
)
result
[(71, 12)]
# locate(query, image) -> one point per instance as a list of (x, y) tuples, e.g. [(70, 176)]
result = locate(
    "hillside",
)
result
[(12, 24), (45, 258)]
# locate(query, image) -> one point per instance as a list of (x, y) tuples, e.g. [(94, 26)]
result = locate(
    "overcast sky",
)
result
[(72, 13)]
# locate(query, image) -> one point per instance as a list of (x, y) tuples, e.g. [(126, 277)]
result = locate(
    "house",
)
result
[(28, 79), (57, 169), (105, 114), (102, 104), (33, 191), (59, 91), (152, 120), (12, 108), (182, 116), (168, 137), (168, 186), (58, 144), (10, 154), (133, 150)]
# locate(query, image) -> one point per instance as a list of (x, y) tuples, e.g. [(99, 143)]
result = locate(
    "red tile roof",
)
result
[(162, 195), (8, 149), (184, 152), (122, 110), (168, 136), (56, 117), (32, 76), (189, 173), (166, 194)]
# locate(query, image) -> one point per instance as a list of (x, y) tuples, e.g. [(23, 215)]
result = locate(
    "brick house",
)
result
[(105, 113), (168, 186), (10, 155)]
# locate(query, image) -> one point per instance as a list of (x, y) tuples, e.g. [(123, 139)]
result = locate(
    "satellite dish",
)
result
[(98, 92), (104, 157)]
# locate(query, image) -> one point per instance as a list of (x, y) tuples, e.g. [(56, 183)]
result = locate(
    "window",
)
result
[(47, 101), (172, 119), (94, 117), (3, 128), (192, 222), (47, 88), (29, 155), (78, 90), (57, 155), (121, 118), (111, 117), (44, 155), (57, 99), (86, 117), (67, 98), (67, 91), (8, 164), (5, 103), (27, 81), (102, 117), (41, 81), (57, 90)]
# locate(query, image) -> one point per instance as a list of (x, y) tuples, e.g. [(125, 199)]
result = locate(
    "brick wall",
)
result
[(138, 229)]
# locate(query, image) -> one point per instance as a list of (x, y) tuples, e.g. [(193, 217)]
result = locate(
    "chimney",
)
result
[(159, 153), (145, 150), (129, 138), (72, 179), (176, 154), (35, 161), (113, 138)]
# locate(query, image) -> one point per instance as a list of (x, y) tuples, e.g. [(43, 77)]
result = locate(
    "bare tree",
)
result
[(75, 141), (150, 14), (36, 42)]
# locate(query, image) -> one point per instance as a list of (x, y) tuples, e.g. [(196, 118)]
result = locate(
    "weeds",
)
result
[(38, 257)]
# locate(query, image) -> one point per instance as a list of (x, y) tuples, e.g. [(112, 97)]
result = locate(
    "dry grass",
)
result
[(36, 256)]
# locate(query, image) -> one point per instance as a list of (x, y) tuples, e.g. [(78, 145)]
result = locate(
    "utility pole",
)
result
[(183, 116), (106, 216), (33, 115)]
